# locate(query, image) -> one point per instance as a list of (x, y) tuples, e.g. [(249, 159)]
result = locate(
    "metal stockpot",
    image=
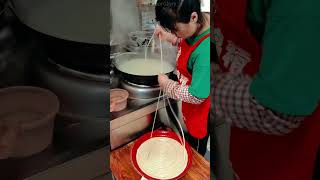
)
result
[(150, 80)]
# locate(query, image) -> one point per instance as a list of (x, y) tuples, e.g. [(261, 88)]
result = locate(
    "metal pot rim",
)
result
[(82, 75)]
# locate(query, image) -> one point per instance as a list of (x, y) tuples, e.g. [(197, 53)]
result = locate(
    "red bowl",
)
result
[(158, 133)]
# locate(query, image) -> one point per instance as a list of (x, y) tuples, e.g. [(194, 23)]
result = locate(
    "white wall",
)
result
[(125, 19)]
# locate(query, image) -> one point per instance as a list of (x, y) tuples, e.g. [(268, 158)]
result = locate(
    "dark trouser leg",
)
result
[(199, 145), (219, 162)]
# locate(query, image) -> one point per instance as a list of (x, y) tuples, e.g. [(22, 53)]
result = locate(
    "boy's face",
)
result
[(186, 30)]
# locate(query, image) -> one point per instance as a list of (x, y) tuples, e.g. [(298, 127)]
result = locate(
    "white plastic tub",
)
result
[(26, 120)]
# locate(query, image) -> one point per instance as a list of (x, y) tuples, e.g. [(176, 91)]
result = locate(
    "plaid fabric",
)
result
[(233, 102), (177, 91)]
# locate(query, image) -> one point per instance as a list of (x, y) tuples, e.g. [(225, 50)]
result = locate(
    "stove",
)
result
[(137, 118), (80, 80)]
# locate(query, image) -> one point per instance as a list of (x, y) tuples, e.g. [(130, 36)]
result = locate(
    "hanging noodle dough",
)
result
[(162, 157)]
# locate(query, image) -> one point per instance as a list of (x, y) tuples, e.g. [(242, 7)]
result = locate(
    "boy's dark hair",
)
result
[(170, 12)]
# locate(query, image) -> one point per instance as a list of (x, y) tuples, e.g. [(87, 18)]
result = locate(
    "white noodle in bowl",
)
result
[(162, 158)]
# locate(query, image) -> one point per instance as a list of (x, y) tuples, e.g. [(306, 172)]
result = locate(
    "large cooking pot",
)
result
[(150, 80), (84, 57), (84, 100)]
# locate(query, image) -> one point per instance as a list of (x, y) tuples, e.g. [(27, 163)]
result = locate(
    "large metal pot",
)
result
[(150, 80), (84, 57), (84, 100)]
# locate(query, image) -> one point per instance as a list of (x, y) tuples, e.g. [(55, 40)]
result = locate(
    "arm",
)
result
[(177, 91), (167, 36), (199, 88)]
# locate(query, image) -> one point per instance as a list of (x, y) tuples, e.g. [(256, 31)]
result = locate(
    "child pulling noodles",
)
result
[(189, 29)]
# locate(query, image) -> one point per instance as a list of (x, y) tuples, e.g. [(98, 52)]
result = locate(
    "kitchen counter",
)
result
[(122, 169), (136, 119), (60, 158), (132, 105), (58, 162)]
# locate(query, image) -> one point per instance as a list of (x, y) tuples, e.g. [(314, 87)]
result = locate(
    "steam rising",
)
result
[(124, 19)]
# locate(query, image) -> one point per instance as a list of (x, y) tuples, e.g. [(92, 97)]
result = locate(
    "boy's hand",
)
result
[(163, 80), (166, 36)]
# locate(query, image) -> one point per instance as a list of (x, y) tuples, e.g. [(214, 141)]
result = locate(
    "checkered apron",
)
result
[(254, 154), (231, 100)]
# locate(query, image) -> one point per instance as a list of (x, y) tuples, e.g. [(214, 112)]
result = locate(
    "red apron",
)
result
[(195, 116), (256, 156)]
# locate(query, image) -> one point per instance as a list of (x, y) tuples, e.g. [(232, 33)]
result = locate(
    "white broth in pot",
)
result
[(142, 67)]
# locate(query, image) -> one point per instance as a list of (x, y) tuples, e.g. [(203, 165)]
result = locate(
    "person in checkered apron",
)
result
[(184, 24), (271, 102), (266, 86)]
